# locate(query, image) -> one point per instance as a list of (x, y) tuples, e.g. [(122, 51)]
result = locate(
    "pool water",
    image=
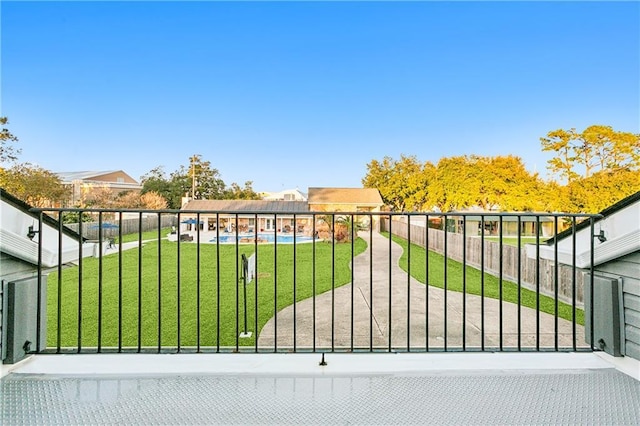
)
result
[(267, 237)]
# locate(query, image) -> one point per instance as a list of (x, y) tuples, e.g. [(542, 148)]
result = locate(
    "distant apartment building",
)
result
[(83, 183)]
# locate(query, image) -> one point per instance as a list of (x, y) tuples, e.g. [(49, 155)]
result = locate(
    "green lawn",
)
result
[(146, 235), (159, 292), (473, 281)]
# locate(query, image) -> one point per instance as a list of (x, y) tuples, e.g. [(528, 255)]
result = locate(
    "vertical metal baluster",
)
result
[(390, 282), (275, 284), (371, 281), (573, 282), (100, 258), (482, 324), (159, 286), (139, 282), (295, 231), (80, 265), (178, 287), (446, 280), (217, 288), (464, 283), (59, 307), (353, 284), (556, 282), (537, 283), (198, 287), (40, 301), (333, 279), (120, 282), (409, 283), (519, 284), (237, 244), (591, 279), (501, 281), (255, 277), (426, 283), (313, 281)]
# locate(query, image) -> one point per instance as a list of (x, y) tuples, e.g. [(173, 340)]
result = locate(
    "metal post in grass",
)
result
[(244, 270)]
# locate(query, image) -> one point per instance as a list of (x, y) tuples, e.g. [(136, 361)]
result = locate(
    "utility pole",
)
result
[(193, 176)]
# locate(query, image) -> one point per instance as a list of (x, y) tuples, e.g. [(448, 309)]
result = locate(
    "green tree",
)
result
[(417, 199), (206, 181), (600, 190), (599, 165), (349, 225), (34, 185), (402, 183), (456, 184), (235, 192), (505, 183), (597, 148), (100, 197), (153, 200), (199, 179), (500, 182), (157, 182), (7, 151), (73, 217)]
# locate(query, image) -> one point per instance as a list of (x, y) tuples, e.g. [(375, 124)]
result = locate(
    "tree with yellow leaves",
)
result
[(599, 165), (597, 148)]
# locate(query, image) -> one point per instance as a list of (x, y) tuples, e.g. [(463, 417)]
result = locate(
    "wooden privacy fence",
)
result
[(512, 257), (90, 230)]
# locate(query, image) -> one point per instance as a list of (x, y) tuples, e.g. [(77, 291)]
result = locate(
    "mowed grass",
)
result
[(146, 235), (205, 307), (474, 283)]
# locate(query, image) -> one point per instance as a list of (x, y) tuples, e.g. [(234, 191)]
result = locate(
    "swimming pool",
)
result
[(263, 237)]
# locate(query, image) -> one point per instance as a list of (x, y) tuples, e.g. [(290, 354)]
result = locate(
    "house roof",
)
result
[(280, 195), (71, 176), (361, 196), (26, 208), (54, 243), (251, 206), (625, 202), (619, 224), (87, 175)]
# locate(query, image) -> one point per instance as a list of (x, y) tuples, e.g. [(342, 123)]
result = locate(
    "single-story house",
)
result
[(251, 215), (528, 225), (82, 183), (615, 238), (278, 215)]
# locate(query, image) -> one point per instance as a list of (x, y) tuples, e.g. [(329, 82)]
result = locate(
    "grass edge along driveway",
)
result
[(473, 281)]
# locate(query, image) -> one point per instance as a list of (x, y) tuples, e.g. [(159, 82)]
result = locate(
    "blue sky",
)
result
[(299, 94)]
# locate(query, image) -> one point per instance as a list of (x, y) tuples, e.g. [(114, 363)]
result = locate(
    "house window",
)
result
[(120, 180)]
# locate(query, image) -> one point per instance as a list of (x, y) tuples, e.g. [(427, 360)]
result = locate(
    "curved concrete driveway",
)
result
[(364, 308)]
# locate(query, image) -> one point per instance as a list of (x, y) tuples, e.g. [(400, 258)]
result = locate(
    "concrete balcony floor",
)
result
[(432, 388)]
